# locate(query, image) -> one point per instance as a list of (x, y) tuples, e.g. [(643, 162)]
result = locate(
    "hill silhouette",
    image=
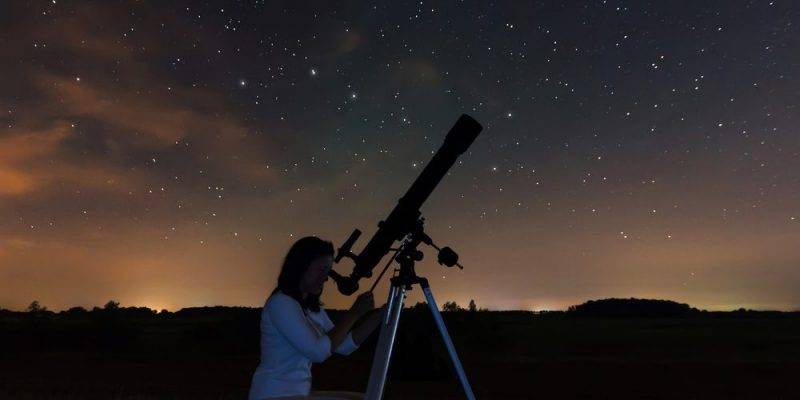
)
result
[(632, 307)]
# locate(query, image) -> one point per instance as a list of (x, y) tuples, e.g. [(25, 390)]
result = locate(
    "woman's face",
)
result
[(316, 275)]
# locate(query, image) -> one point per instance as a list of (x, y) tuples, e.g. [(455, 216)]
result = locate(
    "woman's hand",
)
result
[(363, 304)]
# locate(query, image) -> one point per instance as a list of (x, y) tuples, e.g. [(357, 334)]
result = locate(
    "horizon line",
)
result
[(157, 310)]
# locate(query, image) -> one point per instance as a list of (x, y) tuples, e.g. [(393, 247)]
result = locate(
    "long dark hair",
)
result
[(295, 265)]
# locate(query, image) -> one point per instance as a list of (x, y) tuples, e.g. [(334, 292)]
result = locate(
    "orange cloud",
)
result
[(134, 111), (349, 42), (24, 146), (30, 160), (13, 182)]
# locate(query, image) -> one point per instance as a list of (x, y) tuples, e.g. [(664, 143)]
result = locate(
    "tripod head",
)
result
[(406, 218)]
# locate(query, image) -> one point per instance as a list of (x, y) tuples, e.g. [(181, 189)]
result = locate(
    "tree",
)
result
[(35, 307), (76, 311), (111, 305), (451, 306), (472, 306)]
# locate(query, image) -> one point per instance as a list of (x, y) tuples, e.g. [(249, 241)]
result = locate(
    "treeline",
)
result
[(650, 308), (113, 307), (610, 308), (235, 330), (633, 307)]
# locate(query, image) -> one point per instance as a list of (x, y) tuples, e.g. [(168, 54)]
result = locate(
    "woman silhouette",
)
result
[(296, 331)]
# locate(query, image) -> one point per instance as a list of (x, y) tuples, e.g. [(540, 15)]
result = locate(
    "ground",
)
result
[(505, 355)]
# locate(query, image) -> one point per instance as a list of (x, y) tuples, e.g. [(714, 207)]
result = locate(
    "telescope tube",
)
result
[(405, 214)]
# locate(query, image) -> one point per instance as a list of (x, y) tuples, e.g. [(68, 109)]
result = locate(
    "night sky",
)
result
[(168, 154)]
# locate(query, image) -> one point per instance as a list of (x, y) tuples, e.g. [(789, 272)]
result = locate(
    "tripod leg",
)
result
[(437, 317), (383, 351)]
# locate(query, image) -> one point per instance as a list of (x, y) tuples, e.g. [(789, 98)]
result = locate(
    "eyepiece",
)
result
[(347, 285)]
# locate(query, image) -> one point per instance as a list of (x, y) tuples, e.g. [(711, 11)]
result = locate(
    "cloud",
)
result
[(160, 119), (349, 42), (32, 160), (155, 122), (95, 127)]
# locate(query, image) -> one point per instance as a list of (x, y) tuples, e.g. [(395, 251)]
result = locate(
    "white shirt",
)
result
[(290, 342)]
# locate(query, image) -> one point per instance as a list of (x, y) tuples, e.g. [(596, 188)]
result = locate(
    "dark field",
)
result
[(211, 354)]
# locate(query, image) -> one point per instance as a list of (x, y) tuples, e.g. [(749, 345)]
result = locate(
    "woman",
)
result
[(296, 331)]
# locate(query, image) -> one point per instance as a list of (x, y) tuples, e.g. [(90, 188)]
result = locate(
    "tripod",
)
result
[(406, 256)]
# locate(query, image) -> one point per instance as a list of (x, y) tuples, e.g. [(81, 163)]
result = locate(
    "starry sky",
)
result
[(167, 154)]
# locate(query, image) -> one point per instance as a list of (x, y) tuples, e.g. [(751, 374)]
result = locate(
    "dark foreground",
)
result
[(211, 353)]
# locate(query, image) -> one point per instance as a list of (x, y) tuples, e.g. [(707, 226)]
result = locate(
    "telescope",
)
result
[(406, 224), (405, 217)]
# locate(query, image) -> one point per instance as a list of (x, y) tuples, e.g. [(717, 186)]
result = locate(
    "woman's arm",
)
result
[(365, 326), (338, 334)]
